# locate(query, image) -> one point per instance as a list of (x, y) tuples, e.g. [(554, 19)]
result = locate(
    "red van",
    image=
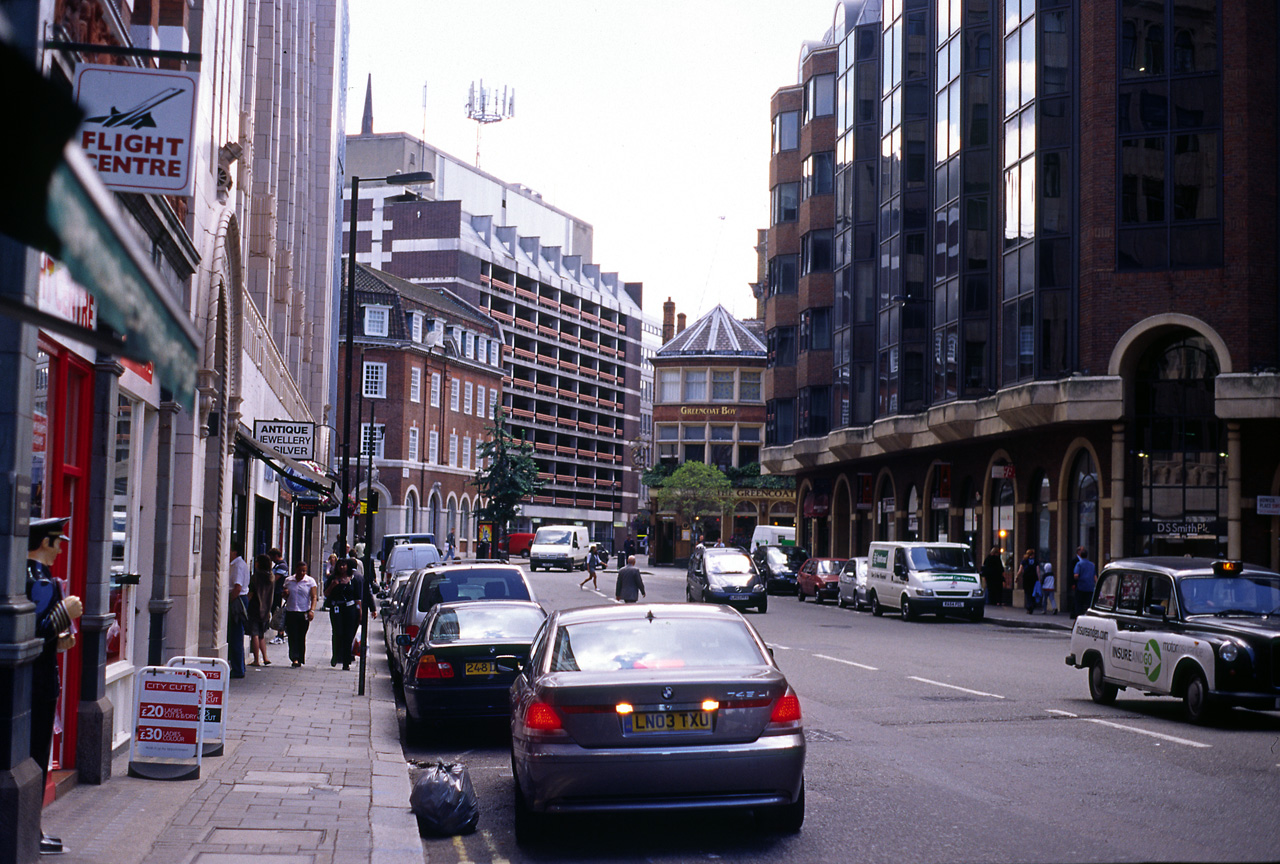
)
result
[(518, 543)]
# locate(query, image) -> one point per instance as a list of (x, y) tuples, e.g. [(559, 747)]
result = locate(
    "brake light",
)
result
[(541, 717), (411, 631), (429, 668), (786, 709)]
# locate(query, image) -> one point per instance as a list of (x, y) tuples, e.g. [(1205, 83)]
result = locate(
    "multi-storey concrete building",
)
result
[(572, 331), (1055, 305)]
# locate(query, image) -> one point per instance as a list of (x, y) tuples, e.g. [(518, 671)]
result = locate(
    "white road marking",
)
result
[(848, 662), (1061, 713), (1162, 737), (776, 645), (954, 687)]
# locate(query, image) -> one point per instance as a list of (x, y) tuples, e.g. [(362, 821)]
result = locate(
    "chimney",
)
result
[(668, 321), (680, 323)]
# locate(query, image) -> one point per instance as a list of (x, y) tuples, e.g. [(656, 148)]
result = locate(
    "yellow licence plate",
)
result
[(671, 721), (481, 668)]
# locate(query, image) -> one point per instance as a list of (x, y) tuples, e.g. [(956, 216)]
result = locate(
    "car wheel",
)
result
[(905, 609), (876, 609), (528, 824), (688, 593), (800, 593), (976, 615), (1196, 702), (788, 818), (764, 604), (840, 604), (817, 596), (1099, 690)]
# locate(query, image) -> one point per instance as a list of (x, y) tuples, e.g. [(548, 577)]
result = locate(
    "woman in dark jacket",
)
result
[(1029, 575), (262, 589), (343, 594), (993, 575)]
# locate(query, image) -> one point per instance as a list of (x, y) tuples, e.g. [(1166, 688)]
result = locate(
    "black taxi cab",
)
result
[(1204, 631)]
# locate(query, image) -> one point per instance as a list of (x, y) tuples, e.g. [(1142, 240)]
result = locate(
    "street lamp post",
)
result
[(409, 178)]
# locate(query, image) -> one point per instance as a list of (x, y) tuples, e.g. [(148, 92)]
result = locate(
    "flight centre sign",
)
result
[(139, 126), (295, 440)]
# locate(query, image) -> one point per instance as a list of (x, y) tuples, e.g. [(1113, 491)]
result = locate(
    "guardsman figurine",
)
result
[(54, 616)]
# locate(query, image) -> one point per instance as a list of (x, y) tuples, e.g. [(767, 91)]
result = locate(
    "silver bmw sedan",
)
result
[(654, 707)]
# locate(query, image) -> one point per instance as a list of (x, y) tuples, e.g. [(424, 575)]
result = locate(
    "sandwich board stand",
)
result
[(218, 673), (168, 735)]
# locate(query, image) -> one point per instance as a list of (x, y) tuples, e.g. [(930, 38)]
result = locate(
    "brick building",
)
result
[(429, 367), (1055, 293)]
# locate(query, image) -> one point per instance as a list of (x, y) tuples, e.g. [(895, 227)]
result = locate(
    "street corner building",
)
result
[(1020, 282), (168, 284)]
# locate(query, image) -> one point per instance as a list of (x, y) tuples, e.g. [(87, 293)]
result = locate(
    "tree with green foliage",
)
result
[(509, 476), (749, 477), (694, 491)]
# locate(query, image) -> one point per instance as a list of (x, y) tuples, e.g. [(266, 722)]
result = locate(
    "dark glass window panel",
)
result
[(864, 243), (916, 170), (864, 191), (953, 177), (977, 170), (953, 299), (977, 244), (786, 202), (1055, 188), (1144, 107), (1128, 47), (912, 378), (1010, 281), (1153, 47), (1055, 263), (1054, 322), (1142, 248), (940, 303), (953, 239), (695, 452), (820, 329), (817, 252), (1009, 343), (918, 53), (974, 371), (1196, 246), (864, 293), (1012, 201), (1197, 102), (1055, 123), (914, 214), (1056, 53), (917, 102), (1026, 337), (940, 190), (784, 274), (785, 346), (939, 245), (868, 41), (1012, 70), (820, 96), (786, 131), (1142, 180), (913, 265), (823, 173), (865, 142), (978, 90), (1027, 269), (978, 43), (1195, 36), (1195, 176)]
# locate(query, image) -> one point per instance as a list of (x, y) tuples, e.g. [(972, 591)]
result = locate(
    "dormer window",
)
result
[(469, 341), (415, 326), (375, 320)]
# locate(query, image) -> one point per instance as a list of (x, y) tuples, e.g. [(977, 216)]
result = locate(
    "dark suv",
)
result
[(780, 566), (724, 575)]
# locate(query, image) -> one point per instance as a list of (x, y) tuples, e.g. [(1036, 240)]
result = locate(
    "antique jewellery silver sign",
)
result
[(295, 440), (139, 126)]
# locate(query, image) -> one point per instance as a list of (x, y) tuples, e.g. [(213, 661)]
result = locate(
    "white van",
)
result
[(924, 577), (559, 546), (773, 535)]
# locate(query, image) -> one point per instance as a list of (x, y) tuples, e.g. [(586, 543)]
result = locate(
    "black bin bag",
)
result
[(444, 800)]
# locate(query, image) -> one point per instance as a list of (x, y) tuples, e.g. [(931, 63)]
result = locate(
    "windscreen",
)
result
[(487, 622), (658, 643), (551, 537), (786, 558), (1256, 594), (724, 564), (941, 559), (471, 584)]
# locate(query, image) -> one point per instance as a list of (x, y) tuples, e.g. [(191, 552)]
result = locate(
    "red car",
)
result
[(819, 578)]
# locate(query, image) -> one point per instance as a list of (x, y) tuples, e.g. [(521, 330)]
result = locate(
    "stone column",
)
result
[(1235, 546), (160, 603), (1117, 497), (95, 713)]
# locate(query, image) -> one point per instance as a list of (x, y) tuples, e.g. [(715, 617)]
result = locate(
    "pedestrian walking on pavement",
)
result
[(630, 586), (280, 573), (1084, 575), (593, 564), (343, 597), (261, 592), (237, 615), (1048, 587), (1029, 576), (993, 575), (301, 596)]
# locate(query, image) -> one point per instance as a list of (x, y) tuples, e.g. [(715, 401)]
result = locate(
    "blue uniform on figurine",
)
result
[(54, 615)]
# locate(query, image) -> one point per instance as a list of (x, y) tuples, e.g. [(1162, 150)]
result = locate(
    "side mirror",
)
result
[(404, 640), (508, 663), (900, 571), (1157, 611)]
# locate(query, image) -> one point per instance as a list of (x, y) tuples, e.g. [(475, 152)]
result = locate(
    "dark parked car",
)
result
[(433, 585), (780, 565), (452, 669), (819, 578), (1204, 631), (654, 707), (724, 575)]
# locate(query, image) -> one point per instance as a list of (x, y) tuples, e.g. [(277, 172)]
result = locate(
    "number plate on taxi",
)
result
[(670, 721), (483, 667)]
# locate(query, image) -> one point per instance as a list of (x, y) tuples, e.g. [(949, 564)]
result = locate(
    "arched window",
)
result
[(1082, 520), (940, 504), (1040, 515), (886, 528), (436, 524), (411, 512), (464, 532), (1003, 499), (452, 527), (913, 513)]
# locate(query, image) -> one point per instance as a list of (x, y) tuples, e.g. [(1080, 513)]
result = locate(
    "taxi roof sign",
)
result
[(1228, 568)]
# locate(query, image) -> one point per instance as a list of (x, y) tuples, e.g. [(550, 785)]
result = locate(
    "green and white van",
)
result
[(914, 578)]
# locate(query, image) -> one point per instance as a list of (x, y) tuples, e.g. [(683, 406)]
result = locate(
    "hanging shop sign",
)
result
[(139, 126), (286, 437)]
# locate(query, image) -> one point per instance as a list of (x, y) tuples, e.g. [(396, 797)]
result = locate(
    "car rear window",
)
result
[(477, 584), (657, 643), (487, 622), (412, 557)]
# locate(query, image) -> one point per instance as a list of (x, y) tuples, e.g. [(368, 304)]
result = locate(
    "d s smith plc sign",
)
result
[(295, 440), (138, 126)]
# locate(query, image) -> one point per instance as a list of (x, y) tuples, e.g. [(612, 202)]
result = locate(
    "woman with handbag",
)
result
[(261, 592), (343, 596), (301, 595)]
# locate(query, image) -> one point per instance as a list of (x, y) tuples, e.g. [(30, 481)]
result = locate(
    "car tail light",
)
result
[(541, 717), (411, 631), (786, 711), (429, 668)]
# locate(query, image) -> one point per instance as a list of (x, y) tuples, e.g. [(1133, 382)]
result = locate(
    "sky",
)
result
[(647, 119)]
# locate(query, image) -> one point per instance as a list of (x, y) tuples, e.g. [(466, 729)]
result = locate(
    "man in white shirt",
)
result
[(236, 617)]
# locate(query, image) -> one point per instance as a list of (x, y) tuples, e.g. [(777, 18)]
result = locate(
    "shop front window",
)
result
[(1083, 520), (123, 530)]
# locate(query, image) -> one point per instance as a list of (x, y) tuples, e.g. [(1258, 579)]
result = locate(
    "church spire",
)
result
[(366, 123)]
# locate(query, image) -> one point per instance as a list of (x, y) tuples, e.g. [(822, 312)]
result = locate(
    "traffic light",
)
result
[(373, 500)]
